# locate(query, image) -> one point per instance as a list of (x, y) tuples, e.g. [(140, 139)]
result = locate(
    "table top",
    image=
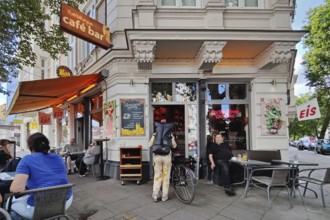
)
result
[(295, 163), (251, 162), (7, 175)]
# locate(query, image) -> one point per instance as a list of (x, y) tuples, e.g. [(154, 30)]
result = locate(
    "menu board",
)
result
[(132, 117)]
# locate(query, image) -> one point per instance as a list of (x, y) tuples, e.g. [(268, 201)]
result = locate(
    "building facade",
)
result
[(208, 66)]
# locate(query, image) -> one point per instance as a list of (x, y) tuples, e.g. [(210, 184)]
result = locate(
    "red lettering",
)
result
[(307, 112), (313, 111), (302, 114)]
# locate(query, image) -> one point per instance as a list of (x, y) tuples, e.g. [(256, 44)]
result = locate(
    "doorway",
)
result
[(173, 114)]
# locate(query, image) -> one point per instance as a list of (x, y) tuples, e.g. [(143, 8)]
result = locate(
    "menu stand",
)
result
[(100, 142)]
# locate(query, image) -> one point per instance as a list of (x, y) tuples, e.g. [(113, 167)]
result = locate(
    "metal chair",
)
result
[(279, 178), (49, 202), (4, 214), (309, 179)]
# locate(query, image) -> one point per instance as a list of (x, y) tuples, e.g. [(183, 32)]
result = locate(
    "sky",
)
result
[(299, 21)]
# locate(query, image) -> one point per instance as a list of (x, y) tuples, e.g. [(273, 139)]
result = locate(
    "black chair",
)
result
[(4, 158)]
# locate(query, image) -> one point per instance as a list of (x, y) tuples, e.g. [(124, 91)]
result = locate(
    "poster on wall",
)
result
[(132, 117), (109, 112), (272, 117), (44, 119)]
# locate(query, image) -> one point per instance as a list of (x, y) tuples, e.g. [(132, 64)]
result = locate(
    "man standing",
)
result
[(67, 150), (219, 157)]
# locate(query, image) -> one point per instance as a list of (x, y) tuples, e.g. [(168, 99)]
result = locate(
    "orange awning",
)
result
[(40, 94)]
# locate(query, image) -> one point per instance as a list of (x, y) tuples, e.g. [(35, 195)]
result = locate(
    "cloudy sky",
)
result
[(300, 19)]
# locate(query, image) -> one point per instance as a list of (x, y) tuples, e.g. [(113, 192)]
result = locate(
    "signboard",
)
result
[(63, 71), (308, 110), (44, 119), (58, 112), (132, 117), (109, 112), (17, 121), (80, 25), (272, 117)]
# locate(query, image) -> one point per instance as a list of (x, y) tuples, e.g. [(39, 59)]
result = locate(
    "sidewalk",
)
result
[(110, 200)]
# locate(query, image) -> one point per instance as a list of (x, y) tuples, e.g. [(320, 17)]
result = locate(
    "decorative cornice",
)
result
[(276, 53), (209, 54), (144, 53)]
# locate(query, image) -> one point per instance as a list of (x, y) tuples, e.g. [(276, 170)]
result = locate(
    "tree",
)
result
[(23, 22), (317, 58)]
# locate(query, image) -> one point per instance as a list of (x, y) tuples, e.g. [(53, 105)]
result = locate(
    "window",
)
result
[(177, 92), (232, 3), (180, 3), (43, 68), (226, 91), (251, 3), (90, 47), (242, 3), (227, 112)]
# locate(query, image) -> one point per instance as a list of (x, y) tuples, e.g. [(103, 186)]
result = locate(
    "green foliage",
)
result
[(22, 24), (317, 58)]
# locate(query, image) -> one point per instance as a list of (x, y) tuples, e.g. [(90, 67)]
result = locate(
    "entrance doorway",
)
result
[(173, 114)]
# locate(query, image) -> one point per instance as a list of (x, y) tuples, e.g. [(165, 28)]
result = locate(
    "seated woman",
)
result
[(88, 159), (4, 148), (37, 170)]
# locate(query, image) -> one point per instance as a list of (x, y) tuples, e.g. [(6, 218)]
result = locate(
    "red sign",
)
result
[(44, 119), (308, 110), (58, 113), (80, 25)]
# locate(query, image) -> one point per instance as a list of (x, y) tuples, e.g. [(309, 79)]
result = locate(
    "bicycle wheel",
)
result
[(183, 183)]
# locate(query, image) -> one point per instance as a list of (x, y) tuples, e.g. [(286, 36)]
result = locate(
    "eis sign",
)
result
[(308, 110), (80, 25)]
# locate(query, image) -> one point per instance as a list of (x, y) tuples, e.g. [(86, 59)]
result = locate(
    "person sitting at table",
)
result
[(37, 170), (4, 150), (88, 159), (219, 157), (67, 149)]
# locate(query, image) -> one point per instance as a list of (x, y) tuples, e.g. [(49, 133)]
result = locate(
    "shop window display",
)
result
[(216, 91), (230, 119), (161, 92), (185, 92), (237, 91)]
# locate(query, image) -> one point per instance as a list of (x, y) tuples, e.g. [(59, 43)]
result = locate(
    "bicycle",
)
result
[(183, 178)]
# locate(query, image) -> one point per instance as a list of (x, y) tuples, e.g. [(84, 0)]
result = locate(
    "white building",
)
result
[(209, 66)]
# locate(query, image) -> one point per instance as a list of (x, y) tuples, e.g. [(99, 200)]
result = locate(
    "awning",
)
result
[(40, 94)]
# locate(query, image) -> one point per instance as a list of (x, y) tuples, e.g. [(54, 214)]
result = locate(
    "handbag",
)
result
[(160, 149)]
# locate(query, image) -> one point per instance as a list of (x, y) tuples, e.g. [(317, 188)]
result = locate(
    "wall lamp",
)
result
[(274, 82), (88, 88), (71, 98)]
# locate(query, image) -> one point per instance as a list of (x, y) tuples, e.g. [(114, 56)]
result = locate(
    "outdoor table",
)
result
[(294, 165), (248, 167), (7, 175)]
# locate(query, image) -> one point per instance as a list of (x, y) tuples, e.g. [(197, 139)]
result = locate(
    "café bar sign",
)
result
[(80, 25)]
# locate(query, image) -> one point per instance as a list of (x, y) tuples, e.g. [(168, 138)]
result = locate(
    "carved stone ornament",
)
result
[(144, 53), (210, 54), (281, 52)]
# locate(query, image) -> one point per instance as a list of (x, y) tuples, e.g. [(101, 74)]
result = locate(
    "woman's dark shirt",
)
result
[(220, 151)]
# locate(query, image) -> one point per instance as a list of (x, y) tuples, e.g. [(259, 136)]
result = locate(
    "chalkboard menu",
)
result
[(132, 117)]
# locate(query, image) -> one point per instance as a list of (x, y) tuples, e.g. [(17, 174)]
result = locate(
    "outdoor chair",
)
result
[(312, 179), (279, 178), (265, 156), (4, 214), (49, 202), (90, 167)]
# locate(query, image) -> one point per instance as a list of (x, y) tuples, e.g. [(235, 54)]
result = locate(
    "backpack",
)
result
[(163, 139), (11, 165)]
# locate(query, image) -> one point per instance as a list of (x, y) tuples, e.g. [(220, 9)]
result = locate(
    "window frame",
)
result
[(178, 4)]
